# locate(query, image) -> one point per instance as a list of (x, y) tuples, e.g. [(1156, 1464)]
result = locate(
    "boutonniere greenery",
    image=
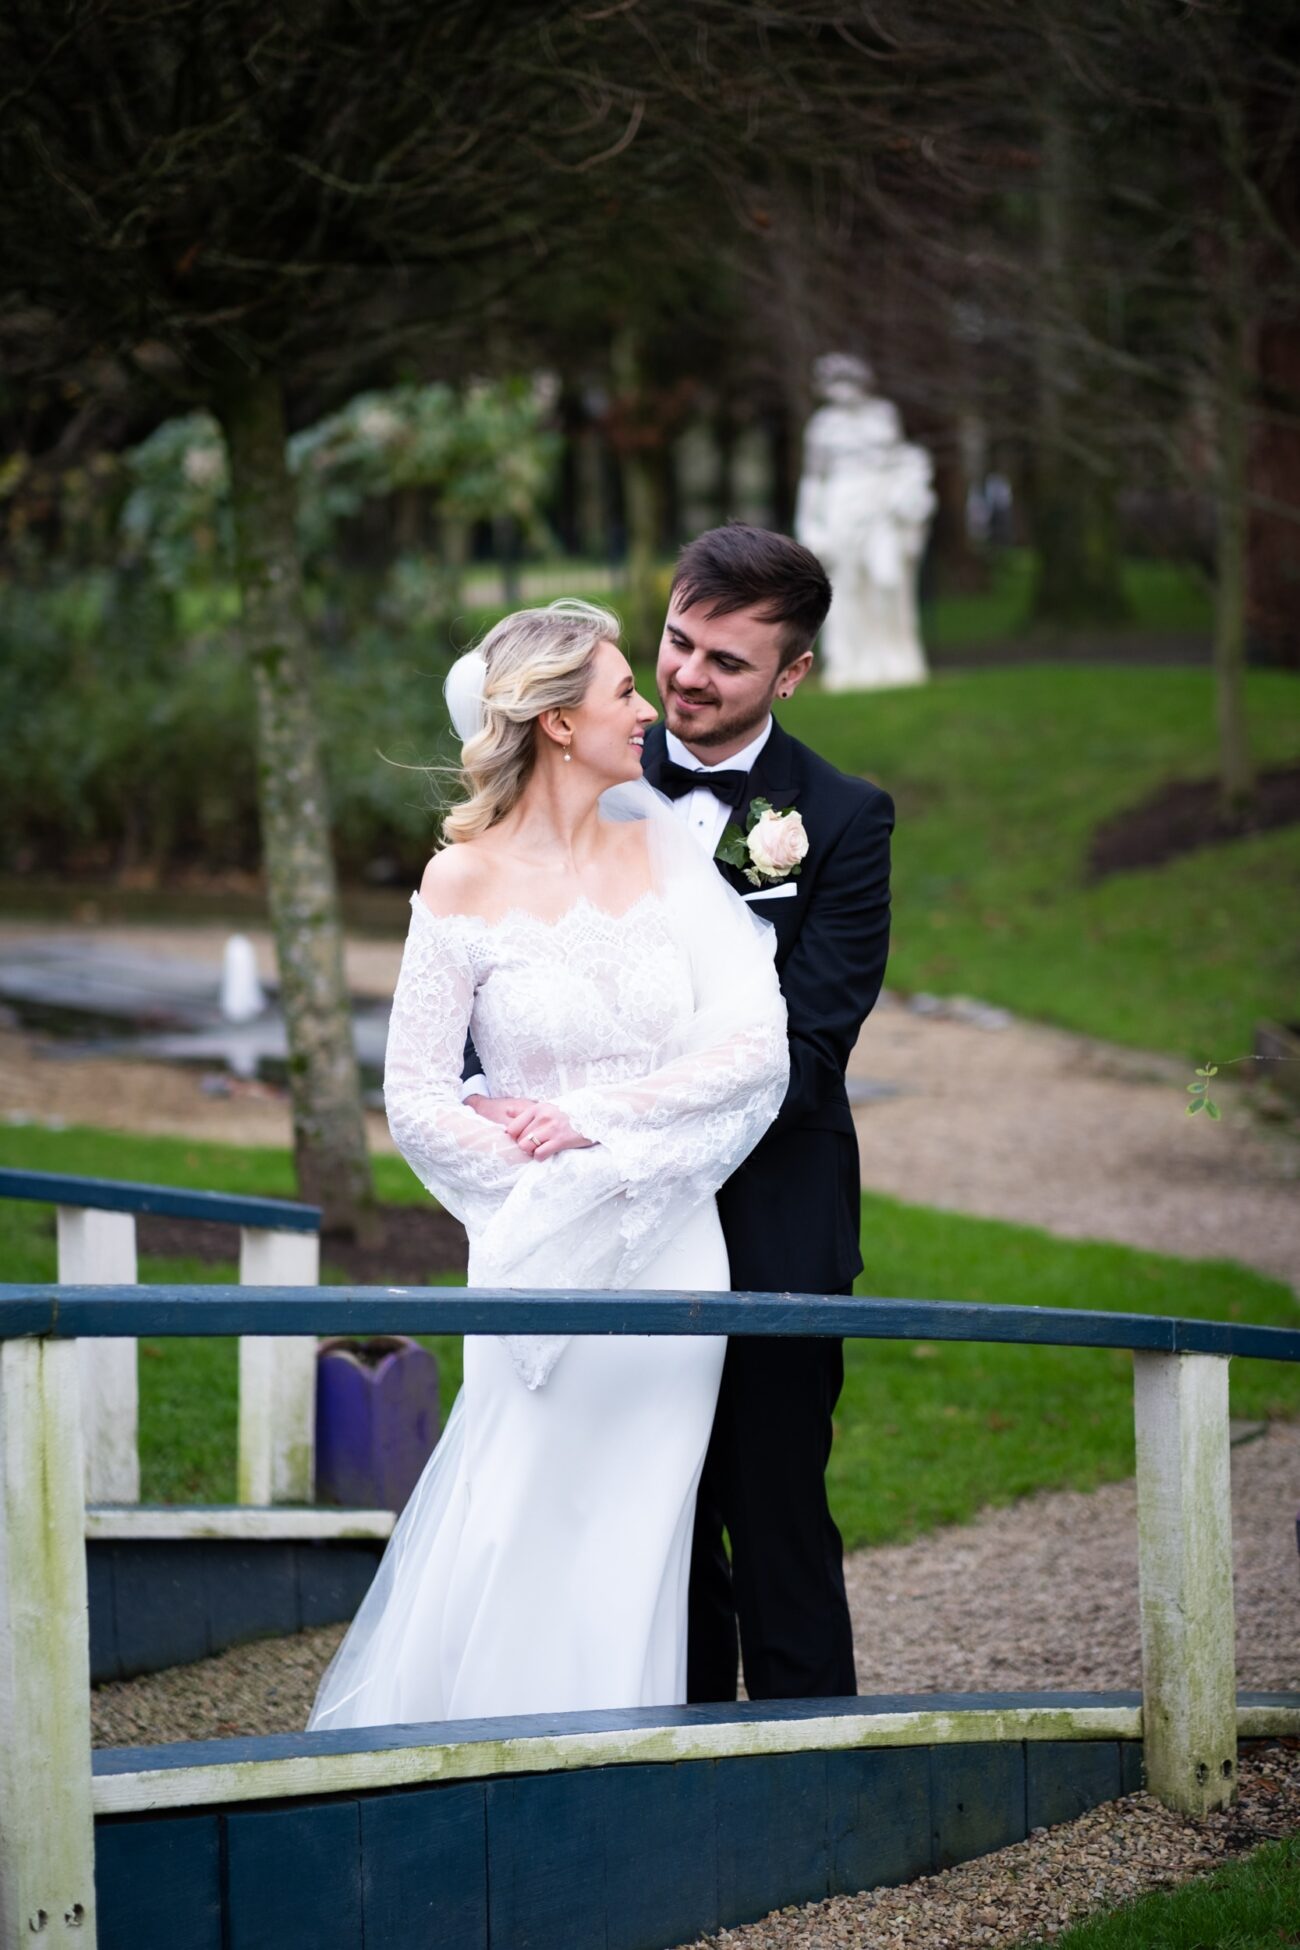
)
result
[(770, 846)]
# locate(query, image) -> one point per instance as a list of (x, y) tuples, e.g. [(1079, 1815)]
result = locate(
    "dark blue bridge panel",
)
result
[(615, 1858)]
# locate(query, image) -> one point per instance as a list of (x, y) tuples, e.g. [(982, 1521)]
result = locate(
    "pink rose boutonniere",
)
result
[(771, 847)]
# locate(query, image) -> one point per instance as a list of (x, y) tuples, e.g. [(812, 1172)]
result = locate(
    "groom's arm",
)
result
[(473, 1084), (475, 1093), (833, 973)]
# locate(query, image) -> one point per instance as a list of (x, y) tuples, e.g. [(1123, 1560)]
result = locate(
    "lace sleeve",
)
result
[(467, 1163), (663, 1143), (673, 1136), (697, 1118)]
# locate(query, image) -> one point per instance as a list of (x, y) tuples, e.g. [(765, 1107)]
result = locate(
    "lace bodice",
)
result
[(608, 1016), (562, 1004)]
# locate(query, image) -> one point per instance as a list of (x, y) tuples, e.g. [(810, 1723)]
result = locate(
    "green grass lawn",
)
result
[(1253, 1904), (1164, 598), (926, 1433), (1000, 777)]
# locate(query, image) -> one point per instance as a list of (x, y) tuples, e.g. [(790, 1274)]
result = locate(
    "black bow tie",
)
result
[(675, 781)]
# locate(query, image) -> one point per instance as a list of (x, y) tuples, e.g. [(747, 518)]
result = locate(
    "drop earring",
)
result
[(567, 755)]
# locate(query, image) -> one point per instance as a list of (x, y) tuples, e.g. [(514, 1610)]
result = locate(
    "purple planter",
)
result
[(376, 1420)]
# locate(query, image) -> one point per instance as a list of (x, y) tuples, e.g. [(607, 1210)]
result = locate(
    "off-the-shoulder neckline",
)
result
[(583, 902)]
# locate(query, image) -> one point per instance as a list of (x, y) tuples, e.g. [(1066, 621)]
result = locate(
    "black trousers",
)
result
[(765, 1480)]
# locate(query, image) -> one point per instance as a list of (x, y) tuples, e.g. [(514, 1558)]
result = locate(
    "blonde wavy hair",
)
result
[(536, 660)]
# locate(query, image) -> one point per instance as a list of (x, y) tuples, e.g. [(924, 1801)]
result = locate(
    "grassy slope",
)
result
[(1164, 598), (925, 1435), (1000, 777)]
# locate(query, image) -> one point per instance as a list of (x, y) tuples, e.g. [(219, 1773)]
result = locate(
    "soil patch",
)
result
[(1186, 815), (411, 1244)]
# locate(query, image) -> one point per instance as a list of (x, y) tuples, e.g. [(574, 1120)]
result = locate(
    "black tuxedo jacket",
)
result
[(790, 1215)]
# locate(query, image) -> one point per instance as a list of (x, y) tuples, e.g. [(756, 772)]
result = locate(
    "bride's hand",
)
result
[(542, 1130)]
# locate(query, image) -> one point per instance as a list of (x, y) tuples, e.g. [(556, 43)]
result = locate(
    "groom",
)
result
[(744, 612)]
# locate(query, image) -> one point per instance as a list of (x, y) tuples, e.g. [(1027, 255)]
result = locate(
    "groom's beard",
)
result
[(719, 727)]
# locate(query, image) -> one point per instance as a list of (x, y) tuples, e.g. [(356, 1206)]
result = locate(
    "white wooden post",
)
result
[(277, 1378), (98, 1249), (1189, 1684), (47, 1839)]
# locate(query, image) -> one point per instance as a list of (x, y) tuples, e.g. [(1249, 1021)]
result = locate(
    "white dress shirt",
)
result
[(703, 811)]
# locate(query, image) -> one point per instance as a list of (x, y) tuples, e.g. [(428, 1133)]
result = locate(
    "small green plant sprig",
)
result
[(1199, 1092)]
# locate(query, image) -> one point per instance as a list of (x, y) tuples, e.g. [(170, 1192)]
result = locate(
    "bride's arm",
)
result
[(468, 1163), (710, 1100), (701, 1112)]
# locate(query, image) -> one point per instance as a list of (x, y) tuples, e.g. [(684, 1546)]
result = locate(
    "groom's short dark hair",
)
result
[(739, 567)]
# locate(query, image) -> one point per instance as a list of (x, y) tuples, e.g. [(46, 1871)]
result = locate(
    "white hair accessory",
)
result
[(463, 691)]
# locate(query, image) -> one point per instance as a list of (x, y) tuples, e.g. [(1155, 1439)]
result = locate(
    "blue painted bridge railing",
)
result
[(279, 1242), (328, 1840), (166, 1201)]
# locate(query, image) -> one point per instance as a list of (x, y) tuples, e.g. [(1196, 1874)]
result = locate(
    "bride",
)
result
[(624, 999)]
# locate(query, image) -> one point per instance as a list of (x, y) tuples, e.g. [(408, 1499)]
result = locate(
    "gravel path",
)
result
[(1083, 1138), (1039, 1596), (1043, 1595)]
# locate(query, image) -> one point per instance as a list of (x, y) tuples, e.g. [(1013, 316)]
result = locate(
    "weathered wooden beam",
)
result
[(237, 1523), (1268, 1716), (47, 1850), (277, 1378), (98, 1248), (1189, 1712), (207, 1774)]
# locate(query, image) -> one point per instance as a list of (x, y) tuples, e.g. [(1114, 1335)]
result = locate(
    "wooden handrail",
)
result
[(94, 1312), (164, 1201)]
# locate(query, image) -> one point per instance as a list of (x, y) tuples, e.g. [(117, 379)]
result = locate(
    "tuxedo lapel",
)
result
[(773, 776)]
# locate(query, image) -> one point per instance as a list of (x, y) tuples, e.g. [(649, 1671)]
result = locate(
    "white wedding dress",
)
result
[(541, 1564)]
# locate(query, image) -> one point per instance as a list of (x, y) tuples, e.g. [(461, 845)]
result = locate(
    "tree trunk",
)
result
[(328, 1126), (1074, 523), (642, 510), (783, 439), (1273, 542), (1236, 778), (641, 505)]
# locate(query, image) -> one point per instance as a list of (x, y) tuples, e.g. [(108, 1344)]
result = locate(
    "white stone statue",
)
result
[(242, 997), (865, 503)]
